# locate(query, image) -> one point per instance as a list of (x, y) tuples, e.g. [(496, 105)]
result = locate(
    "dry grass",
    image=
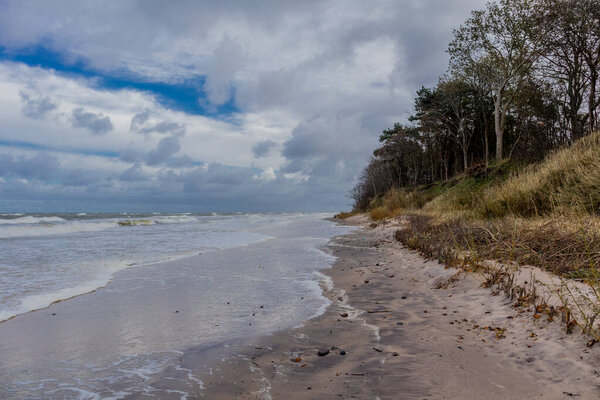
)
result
[(567, 246), (379, 213), (344, 215), (567, 180), (464, 194), (396, 202)]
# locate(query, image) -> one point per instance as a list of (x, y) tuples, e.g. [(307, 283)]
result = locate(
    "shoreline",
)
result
[(402, 327), (135, 337)]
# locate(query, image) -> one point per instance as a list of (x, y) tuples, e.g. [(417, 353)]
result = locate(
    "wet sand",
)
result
[(401, 327)]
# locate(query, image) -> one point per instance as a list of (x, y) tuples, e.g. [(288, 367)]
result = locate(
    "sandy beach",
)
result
[(401, 327)]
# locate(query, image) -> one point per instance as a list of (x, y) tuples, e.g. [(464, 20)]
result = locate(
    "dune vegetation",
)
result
[(500, 160)]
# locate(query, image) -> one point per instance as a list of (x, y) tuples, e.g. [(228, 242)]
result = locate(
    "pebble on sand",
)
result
[(323, 352)]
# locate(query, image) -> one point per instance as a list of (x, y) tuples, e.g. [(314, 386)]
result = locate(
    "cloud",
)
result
[(263, 148), (225, 61), (36, 107), (130, 155), (41, 165), (308, 87), (133, 174), (167, 147), (266, 175), (97, 124), (142, 123)]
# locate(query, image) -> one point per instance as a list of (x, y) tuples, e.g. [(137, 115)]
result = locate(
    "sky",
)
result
[(206, 106)]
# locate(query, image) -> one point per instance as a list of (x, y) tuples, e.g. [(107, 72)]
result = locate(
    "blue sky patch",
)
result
[(187, 96)]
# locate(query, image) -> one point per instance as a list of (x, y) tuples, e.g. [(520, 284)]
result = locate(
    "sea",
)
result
[(98, 306)]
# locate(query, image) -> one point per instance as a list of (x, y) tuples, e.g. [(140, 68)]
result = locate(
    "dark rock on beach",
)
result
[(323, 352)]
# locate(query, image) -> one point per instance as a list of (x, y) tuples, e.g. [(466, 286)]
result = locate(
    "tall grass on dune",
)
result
[(567, 180)]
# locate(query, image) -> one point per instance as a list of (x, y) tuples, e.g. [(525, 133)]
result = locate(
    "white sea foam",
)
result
[(31, 220), (325, 280), (53, 229), (40, 301), (174, 219)]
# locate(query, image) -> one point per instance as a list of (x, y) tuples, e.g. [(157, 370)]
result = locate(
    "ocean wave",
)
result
[(44, 300), (174, 219), (135, 222), (30, 220), (53, 229)]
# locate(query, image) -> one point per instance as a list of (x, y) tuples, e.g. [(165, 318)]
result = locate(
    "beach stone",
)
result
[(366, 281), (399, 323), (395, 354), (323, 352), (403, 297), (344, 315), (342, 352)]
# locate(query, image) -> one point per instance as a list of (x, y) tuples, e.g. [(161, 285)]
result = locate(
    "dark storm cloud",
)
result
[(36, 107), (97, 124)]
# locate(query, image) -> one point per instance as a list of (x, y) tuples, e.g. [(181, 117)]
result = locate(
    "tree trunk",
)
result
[(499, 124), (592, 102), (486, 143), (464, 144)]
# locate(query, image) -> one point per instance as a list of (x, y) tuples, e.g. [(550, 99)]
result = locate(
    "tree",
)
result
[(589, 40), (502, 43), (569, 61), (457, 112)]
